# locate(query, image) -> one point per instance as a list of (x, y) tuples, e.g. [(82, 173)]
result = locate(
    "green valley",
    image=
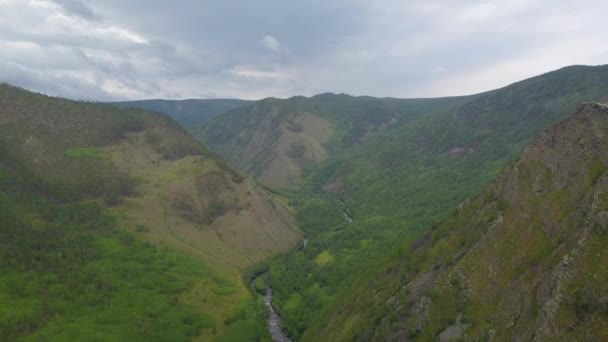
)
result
[(303, 171), (120, 224), (396, 180)]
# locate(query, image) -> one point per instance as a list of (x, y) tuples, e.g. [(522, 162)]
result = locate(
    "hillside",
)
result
[(191, 114), (453, 149), (275, 140), (399, 182), (522, 261), (89, 180)]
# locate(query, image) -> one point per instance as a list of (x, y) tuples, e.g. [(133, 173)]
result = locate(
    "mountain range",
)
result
[(476, 217)]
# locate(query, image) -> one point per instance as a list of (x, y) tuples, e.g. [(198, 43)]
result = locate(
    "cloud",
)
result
[(78, 9), (244, 71), (116, 49), (271, 43)]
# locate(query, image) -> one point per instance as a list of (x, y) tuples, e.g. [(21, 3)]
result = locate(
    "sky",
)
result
[(122, 50)]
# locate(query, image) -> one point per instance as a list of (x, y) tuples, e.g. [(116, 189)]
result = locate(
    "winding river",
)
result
[(274, 320)]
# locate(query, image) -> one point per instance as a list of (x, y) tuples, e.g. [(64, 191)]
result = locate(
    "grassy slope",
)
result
[(224, 219), (400, 181), (520, 261), (68, 153), (188, 113)]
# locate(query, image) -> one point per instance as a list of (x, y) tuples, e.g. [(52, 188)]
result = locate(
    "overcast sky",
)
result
[(134, 49)]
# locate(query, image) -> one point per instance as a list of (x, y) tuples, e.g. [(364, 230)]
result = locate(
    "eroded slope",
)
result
[(194, 206), (269, 141)]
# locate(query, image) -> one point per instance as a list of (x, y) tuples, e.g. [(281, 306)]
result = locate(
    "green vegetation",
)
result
[(404, 268), (597, 169), (248, 324), (90, 247), (399, 167), (85, 152), (534, 260), (276, 140), (260, 285), (71, 273), (58, 143), (324, 258)]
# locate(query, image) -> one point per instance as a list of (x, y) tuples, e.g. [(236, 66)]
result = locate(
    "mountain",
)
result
[(522, 261), (188, 113), (118, 224), (275, 140), (458, 150), (394, 181)]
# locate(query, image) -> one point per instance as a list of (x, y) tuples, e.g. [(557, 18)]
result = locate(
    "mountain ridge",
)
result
[(272, 129), (190, 113)]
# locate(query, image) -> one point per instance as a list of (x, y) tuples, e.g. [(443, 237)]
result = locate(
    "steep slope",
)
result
[(188, 113), (69, 272), (402, 181), (95, 150), (198, 206), (142, 178), (523, 261), (275, 140), (457, 150), (271, 147)]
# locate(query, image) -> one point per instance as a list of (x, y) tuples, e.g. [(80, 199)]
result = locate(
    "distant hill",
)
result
[(119, 220), (523, 261), (275, 140), (188, 113)]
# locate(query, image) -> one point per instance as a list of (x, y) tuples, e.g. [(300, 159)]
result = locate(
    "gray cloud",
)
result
[(78, 9), (113, 49)]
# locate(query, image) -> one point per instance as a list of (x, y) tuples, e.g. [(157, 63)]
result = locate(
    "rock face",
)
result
[(523, 261)]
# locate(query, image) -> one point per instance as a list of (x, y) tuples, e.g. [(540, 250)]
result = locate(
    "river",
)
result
[(275, 324), (347, 216), (274, 320)]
